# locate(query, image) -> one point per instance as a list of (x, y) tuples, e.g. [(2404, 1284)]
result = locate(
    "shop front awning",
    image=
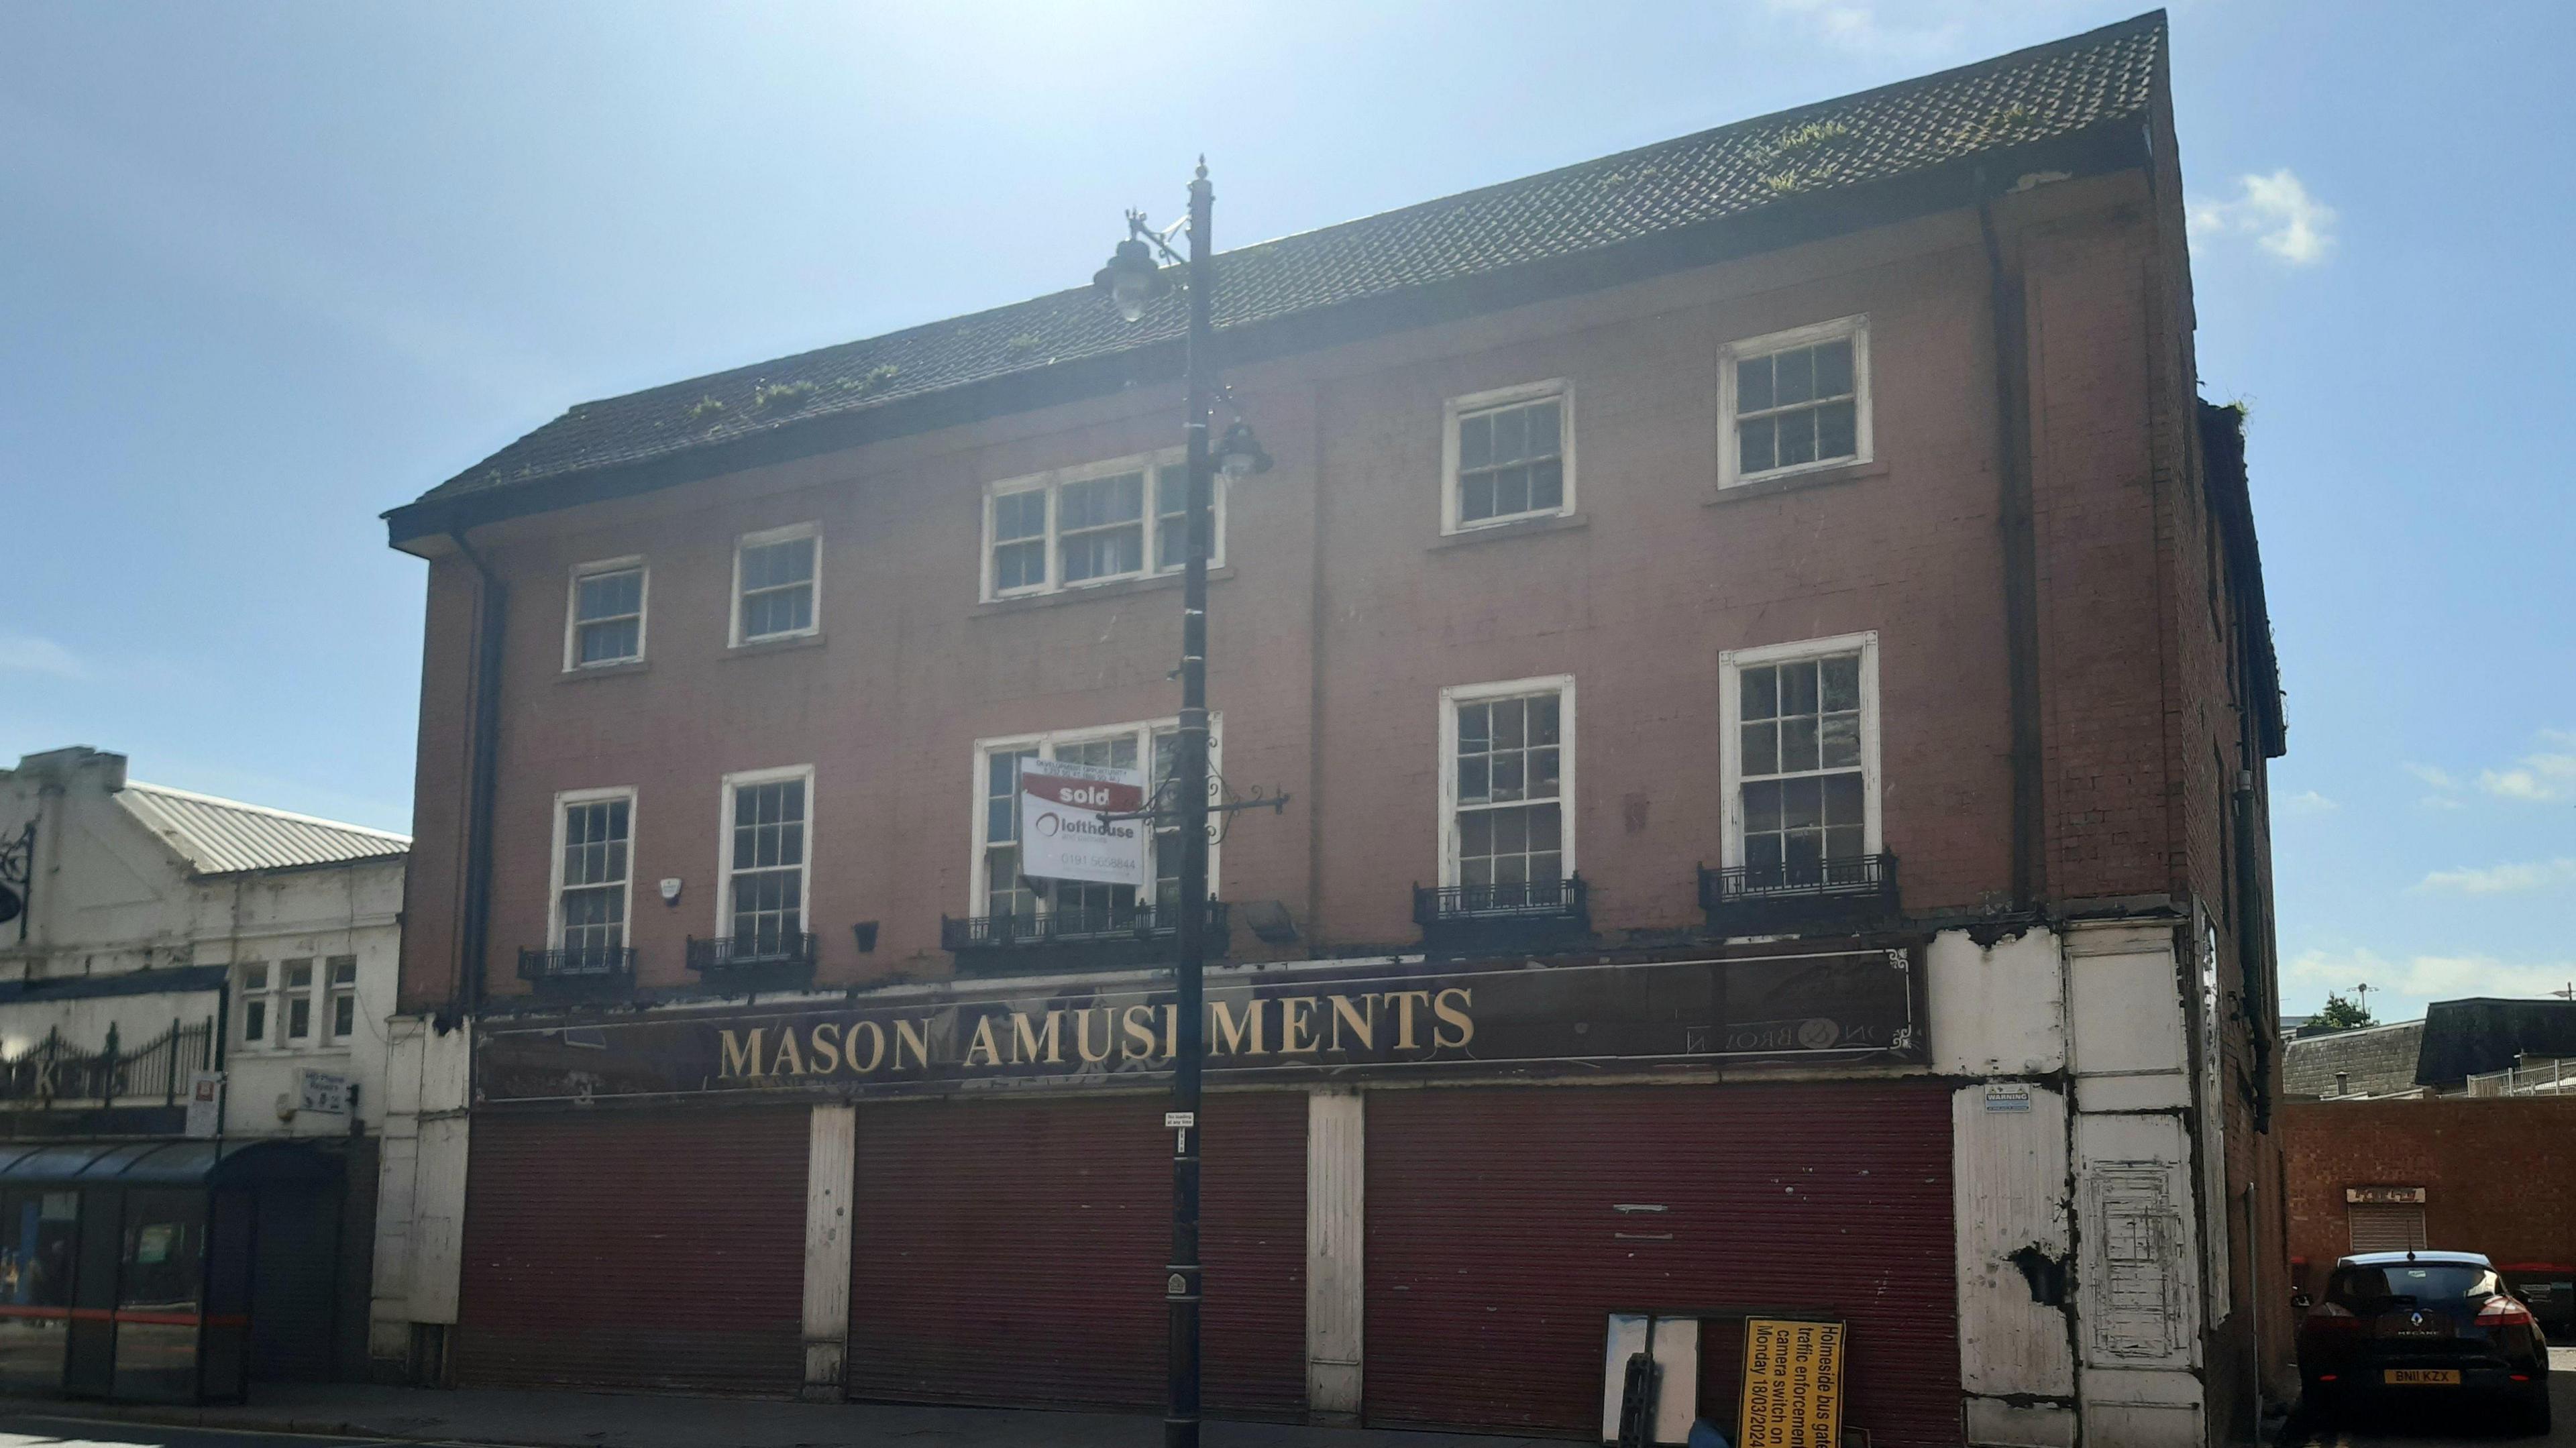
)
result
[(190, 1163)]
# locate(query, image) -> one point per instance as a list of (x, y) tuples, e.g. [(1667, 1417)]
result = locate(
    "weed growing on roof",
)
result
[(1811, 135), (877, 376), (780, 396), (1783, 182), (707, 406), (1025, 342), (2012, 118)]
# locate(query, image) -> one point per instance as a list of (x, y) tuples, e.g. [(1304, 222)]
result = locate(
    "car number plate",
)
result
[(2423, 1377)]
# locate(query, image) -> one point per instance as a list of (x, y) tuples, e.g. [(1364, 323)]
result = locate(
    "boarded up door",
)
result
[(1505, 1225), (633, 1249), (1013, 1251)]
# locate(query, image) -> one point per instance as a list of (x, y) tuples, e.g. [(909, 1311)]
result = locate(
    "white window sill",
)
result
[(602, 671), (1514, 528), (1084, 592), (1775, 484), (781, 644)]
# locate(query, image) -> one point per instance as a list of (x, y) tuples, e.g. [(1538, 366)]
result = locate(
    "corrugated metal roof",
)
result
[(225, 836)]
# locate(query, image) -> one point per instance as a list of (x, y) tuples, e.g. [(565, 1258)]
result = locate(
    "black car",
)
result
[(2424, 1327)]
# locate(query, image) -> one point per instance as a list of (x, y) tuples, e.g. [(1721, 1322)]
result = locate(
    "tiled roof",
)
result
[(2374, 1061), (224, 836), (2041, 94), (2469, 1037)]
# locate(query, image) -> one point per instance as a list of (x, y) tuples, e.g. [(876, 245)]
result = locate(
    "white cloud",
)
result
[(2405, 985), (2309, 802), (2502, 879), (2440, 801), (2542, 775), (2276, 211), (1857, 25), (28, 654), (2436, 777)]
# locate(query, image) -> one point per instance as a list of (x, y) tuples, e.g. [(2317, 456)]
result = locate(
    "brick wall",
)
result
[(2496, 1173)]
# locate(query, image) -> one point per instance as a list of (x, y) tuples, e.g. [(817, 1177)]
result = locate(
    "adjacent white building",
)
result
[(158, 945)]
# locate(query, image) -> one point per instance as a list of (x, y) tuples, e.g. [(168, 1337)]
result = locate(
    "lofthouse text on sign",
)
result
[(1848, 1004)]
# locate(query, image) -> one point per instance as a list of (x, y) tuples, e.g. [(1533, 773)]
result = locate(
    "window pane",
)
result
[(1841, 741), (1796, 371), (344, 1015), (607, 642), (299, 1017), (1507, 776), (1542, 773), (344, 969), (255, 977), (1843, 799), (1841, 679), (299, 975), (1475, 442), (1801, 803), (1509, 717), (1798, 688), (1797, 745), (1762, 858), (1546, 828), (255, 1020), (1762, 748), (1476, 833), (1543, 422), (1843, 843), (1756, 445), (1546, 867), (1473, 726), (1761, 693), (1762, 806), (1542, 719), (1474, 782), (1797, 438), (1834, 368), (1753, 390), (1837, 431), (1476, 497), (1511, 435), (1805, 851), (1511, 492), (1547, 486)]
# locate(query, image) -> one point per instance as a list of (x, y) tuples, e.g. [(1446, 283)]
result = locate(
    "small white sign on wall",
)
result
[(322, 1091), (2008, 1096), (205, 1118)]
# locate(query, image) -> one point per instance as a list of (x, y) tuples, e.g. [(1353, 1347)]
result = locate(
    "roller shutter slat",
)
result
[(1012, 1252), (1496, 1247), (652, 1250)]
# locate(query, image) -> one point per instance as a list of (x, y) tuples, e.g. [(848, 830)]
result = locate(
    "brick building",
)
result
[(1661, 552)]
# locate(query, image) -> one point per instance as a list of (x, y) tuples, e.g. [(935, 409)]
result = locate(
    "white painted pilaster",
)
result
[(831, 1166), (1336, 1217)]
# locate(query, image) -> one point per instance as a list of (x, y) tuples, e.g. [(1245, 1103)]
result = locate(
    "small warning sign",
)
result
[(1793, 1384)]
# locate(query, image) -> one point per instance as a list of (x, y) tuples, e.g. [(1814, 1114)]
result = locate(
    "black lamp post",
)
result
[(1130, 281)]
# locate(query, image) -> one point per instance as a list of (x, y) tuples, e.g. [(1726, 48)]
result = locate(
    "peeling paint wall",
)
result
[(420, 1213)]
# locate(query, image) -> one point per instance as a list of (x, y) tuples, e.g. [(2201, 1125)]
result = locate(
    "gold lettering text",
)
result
[(827, 1048), (983, 1044), (742, 1058), (1027, 1042), (1456, 1016), (1295, 1029), (1137, 1024), (1082, 1034), (1362, 1020), (916, 1036), (1404, 1000), (790, 1060), (876, 1046), (1171, 1032), (1229, 1035)]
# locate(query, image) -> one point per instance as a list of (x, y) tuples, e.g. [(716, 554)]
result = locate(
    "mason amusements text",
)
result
[(1376, 1025)]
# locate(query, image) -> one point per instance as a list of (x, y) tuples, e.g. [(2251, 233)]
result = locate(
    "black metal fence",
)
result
[(54, 1069), (1076, 927), (790, 951), (1568, 899), (592, 965)]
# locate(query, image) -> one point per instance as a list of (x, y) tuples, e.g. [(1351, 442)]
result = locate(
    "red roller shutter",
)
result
[(1504, 1225), (1012, 1252), (635, 1249)]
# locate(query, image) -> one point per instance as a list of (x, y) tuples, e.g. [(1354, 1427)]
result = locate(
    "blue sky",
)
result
[(276, 267)]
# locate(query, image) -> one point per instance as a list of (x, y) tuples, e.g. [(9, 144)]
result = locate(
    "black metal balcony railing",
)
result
[(594, 965), (1851, 893), (774, 954), (1121, 935), (54, 1071), (1567, 901)]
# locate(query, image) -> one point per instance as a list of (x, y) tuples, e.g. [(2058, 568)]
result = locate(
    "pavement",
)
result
[(361, 1414)]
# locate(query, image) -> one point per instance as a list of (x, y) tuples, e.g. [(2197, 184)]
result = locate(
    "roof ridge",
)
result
[(261, 809)]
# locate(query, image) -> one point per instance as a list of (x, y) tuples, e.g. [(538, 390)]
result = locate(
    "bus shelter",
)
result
[(128, 1270)]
